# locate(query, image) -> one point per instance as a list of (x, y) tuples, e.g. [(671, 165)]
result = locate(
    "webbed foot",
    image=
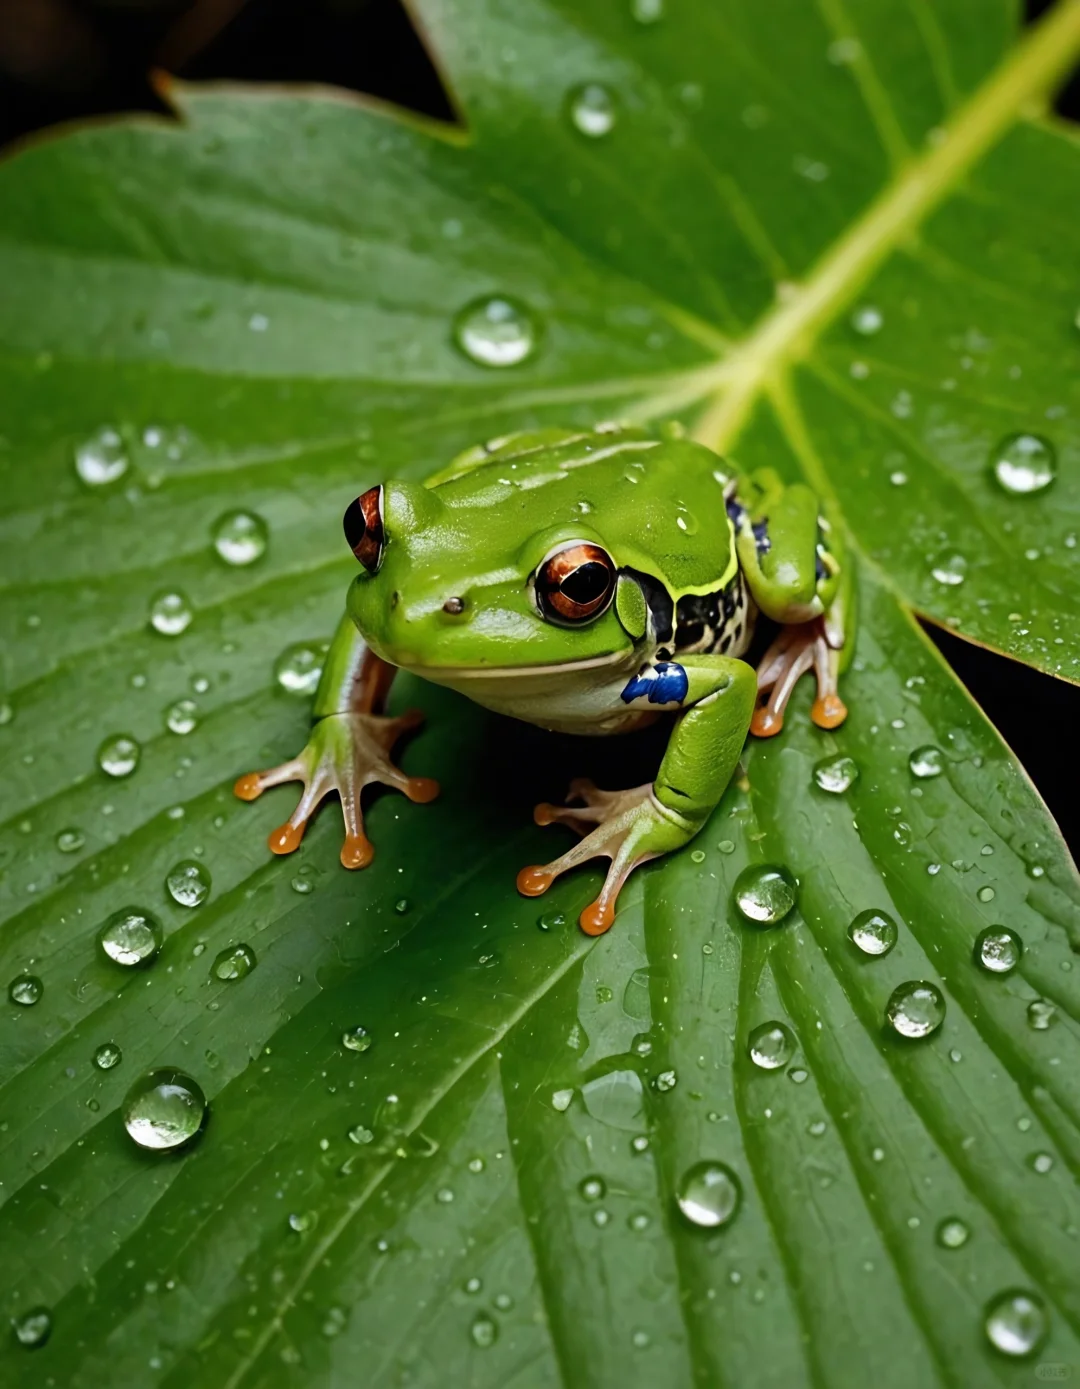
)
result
[(345, 753), (628, 827), (800, 647)]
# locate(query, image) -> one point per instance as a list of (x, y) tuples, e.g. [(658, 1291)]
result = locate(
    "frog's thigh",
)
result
[(708, 739)]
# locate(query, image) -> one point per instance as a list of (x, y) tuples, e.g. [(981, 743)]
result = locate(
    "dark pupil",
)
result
[(587, 583)]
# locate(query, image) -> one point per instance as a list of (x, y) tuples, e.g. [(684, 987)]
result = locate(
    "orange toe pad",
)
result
[(357, 851), (597, 918), (766, 722), (248, 787), (286, 838), (828, 711), (533, 881)]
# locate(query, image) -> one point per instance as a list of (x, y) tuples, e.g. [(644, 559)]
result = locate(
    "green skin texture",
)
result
[(479, 529)]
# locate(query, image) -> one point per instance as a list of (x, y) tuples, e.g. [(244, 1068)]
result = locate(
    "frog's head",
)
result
[(458, 582)]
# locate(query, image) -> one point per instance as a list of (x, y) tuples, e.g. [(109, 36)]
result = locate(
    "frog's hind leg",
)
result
[(798, 649)]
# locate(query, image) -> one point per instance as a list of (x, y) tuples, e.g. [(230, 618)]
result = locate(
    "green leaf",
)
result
[(255, 309)]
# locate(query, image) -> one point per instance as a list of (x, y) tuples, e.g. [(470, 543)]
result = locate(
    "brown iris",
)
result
[(364, 528), (575, 584)]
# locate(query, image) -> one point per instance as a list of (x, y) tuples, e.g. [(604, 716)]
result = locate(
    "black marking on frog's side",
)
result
[(762, 539), (659, 603), (713, 621)]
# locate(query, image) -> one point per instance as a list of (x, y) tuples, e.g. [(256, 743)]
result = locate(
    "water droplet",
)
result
[(867, 320), (483, 1331), (164, 1109), (985, 894), (357, 1039), (873, 932), (299, 667), (170, 613), (107, 1056), (592, 1188), (503, 1301), (604, 994), (952, 1233), (335, 1321), (551, 921), (949, 568), (771, 1046), (444, 1196), (836, 774), (402, 905), (302, 1221), (476, 1164), (600, 1218), (182, 717), (641, 1340), (26, 990), (496, 331), (638, 1221), (234, 962), (240, 537), (765, 894), (665, 1081), (1040, 1014), (131, 936), (1041, 1162), (592, 109), (119, 755), (560, 1100), (188, 883), (926, 762), (709, 1194), (32, 1329), (1023, 464), (1015, 1323), (639, 1143), (726, 846), (302, 883), (102, 458), (647, 11), (998, 950), (71, 840), (915, 1009), (697, 856), (360, 1135), (798, 1076)]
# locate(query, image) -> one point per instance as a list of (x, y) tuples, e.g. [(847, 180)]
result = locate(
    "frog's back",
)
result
[(658, 504)]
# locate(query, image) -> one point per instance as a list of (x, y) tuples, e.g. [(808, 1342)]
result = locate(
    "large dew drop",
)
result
[(495, 331), (102, 458), (949, 568), (1023, 464), (709, 1194), (357, 1039), (119, 755), (240, 537), (484, 1331), (926, 762), (170, 613), (131, 936), (836, 774), (164, 1109), (32, 1329), (873, 932), (915, 1009), (771, 1046), (765, 894), (299, 668), (998, 950), (592, 110), (1015, 1323), (234, 962), (182, 717), (25, 990), (952, 1233), (107, 1056), (188, 883)]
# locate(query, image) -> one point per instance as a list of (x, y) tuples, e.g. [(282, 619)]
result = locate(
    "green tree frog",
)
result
[(589, 582)]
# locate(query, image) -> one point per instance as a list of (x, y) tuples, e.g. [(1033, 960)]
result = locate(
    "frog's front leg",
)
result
[(631, 827), (792, 558), (349, 748)]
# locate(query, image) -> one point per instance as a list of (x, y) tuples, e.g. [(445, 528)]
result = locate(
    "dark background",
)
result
[(65, 59)]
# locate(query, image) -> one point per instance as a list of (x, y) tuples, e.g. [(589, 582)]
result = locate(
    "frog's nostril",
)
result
[(454, 606), (395, 598)]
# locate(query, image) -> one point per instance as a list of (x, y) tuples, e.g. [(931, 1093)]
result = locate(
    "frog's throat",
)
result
[(440, 675)]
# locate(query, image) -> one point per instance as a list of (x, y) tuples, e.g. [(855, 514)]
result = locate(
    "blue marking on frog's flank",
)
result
[(663, 683)]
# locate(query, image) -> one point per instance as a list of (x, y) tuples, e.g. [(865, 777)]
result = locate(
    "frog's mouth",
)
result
[(439, 674)]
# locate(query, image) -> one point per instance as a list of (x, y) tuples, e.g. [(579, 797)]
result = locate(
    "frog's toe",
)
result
[(798, 649)]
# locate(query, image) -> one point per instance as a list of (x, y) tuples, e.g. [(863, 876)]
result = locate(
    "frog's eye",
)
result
[(575, 584), (364, 528)]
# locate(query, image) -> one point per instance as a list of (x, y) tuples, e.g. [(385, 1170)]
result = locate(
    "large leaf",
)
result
[(258, 303)]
